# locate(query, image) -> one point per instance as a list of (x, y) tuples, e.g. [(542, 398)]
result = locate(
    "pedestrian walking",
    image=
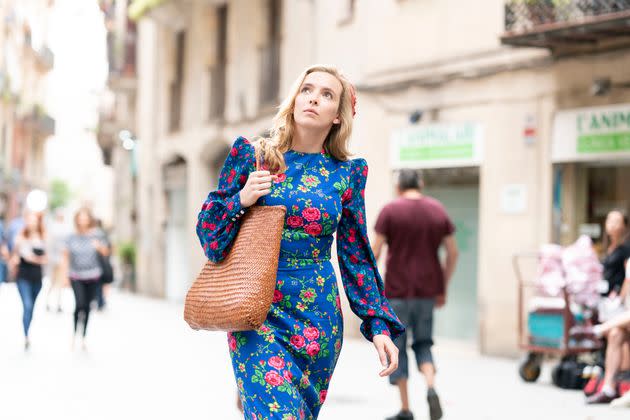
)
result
[(283, 369), (57, 235), (102, 288), (414, 227), (12, 230), (29, 256), (82, 265), (4, 253)]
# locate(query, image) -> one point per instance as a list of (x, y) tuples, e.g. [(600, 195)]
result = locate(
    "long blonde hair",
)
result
[(271, 148)]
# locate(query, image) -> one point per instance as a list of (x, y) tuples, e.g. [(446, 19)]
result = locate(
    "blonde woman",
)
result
[(283, 369)]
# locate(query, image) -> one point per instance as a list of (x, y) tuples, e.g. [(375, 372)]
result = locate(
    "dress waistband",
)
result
[(293, 261)]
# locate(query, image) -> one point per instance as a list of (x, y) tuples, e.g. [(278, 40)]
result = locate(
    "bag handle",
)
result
[(259, 157)]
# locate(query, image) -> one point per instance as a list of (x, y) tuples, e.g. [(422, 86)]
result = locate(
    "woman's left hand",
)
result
[(99, 247), (387, 351)]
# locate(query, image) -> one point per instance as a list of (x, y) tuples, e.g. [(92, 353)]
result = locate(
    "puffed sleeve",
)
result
[(359, 272), (219, 218)]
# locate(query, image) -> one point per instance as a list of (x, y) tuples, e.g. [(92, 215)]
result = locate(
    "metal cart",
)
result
[(557, 341)]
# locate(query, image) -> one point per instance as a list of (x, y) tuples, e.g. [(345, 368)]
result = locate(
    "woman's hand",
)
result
[(258, 184), (387, 350), (100, 247)]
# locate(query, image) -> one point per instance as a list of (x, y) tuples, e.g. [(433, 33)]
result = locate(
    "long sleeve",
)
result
[(218, 221), (359, 272)]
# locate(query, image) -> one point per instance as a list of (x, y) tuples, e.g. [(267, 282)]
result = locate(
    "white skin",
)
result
[(615, 228), (315, 110)]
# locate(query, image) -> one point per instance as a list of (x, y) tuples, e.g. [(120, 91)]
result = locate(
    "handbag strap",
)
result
[(259, 155)]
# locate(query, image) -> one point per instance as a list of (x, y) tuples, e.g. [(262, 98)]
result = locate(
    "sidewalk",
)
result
[(143, 362)]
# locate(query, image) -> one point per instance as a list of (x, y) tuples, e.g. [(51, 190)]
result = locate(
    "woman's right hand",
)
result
[(258, 184)]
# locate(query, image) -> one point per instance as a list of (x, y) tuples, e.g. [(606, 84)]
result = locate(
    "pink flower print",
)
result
[(214, 245), (273, 378), (242, 179), (297, 341), (360, 279), (287, 375), (280, 178), (365, 171), (210, 226), (347, 194), (311, 214), (232, 342), (311, 333), (277, 296), (371, 312), (322, 396), (276, 362), (313, 229), (313, 348), (354, 259), (231, 176), (295, 221), (338, 302), (234, 152)]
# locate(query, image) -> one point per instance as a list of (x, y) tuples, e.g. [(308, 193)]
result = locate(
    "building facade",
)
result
[(517, 115), (117, 124), (25, 61)]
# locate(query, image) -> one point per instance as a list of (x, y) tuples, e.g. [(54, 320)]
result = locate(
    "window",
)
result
[(218, 71), (270, 55), (177, 83)]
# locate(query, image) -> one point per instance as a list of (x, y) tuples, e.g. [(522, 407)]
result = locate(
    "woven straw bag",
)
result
[(236, 294)]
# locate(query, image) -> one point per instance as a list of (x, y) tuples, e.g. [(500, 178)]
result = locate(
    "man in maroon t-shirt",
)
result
[(414, 227)]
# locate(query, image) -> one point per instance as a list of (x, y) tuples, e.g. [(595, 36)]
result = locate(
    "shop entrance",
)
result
[(458, 190), (584, 193)]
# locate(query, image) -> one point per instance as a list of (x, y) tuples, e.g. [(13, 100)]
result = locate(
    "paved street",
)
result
[(144, 363)]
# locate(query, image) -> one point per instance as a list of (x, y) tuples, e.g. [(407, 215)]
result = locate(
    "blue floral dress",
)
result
[(284, 368)]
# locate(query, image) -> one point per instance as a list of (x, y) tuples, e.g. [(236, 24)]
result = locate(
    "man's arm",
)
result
[(377, 245), (449, 266), (452, 253)]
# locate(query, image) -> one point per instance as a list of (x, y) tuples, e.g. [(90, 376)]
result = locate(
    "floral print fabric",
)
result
[(284, 368)]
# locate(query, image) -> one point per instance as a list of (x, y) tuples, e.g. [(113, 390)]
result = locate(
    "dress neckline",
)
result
[(321, 152)]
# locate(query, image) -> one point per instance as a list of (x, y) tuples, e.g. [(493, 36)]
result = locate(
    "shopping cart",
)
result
[(546, 331)]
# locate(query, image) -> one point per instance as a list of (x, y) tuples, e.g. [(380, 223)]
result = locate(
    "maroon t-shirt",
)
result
[(414, 229)]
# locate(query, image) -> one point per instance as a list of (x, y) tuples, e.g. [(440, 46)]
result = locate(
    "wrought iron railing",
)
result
[(525, 15)]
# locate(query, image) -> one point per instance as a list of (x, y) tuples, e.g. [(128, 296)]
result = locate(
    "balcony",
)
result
[(567, 26)]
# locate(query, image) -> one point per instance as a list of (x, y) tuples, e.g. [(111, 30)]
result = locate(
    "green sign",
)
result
[(463, 151), (600, 143), (457, 142), (603, 132), (591, 134)]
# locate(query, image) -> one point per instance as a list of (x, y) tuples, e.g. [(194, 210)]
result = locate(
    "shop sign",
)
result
[(437, 146), (592, 134)]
